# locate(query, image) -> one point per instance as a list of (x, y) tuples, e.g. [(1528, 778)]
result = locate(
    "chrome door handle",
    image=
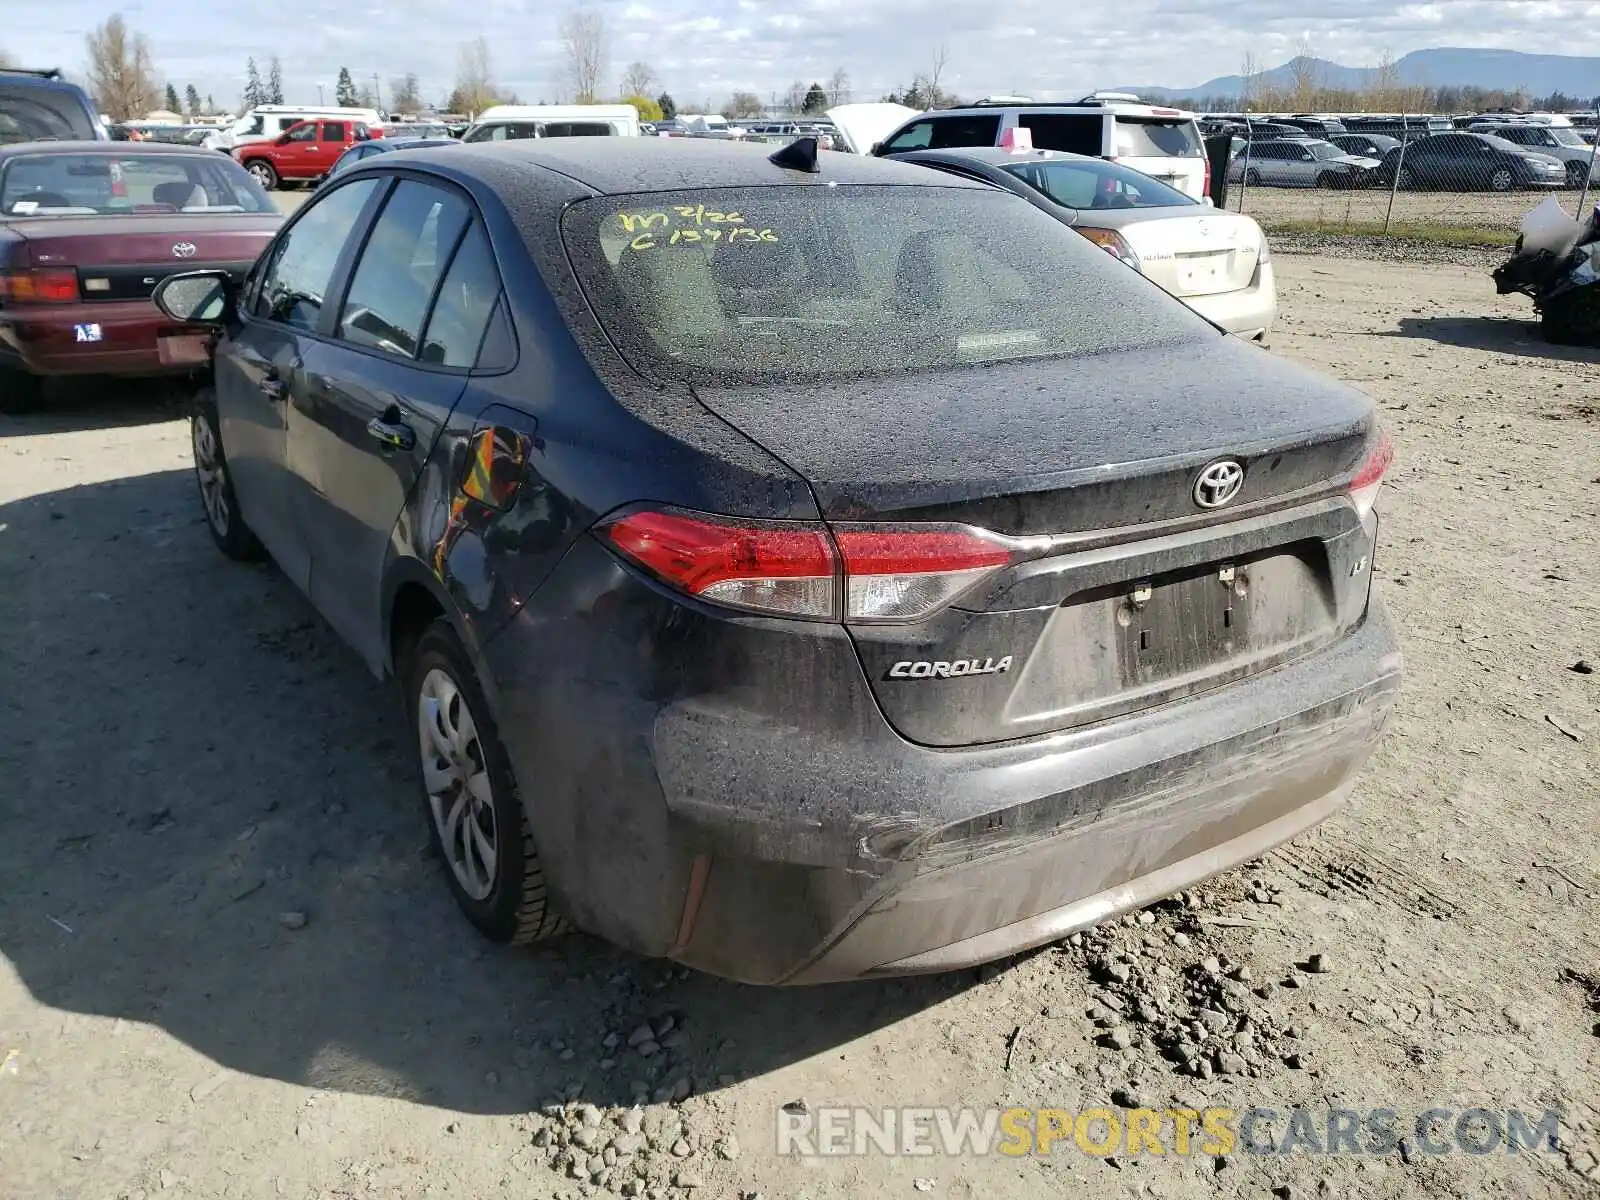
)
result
[(273, 388), (397, 435)]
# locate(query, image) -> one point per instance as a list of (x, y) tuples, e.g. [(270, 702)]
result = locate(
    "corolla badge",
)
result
[(1219, 483), (183, 250), (958, 669)]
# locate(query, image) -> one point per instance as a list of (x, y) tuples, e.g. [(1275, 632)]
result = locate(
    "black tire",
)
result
[(517, 908), (264, 172), (1408, 179), (1252, 178), (20, 392), (1573, 319), (1576, 174), (224, 518), (1330, 181)]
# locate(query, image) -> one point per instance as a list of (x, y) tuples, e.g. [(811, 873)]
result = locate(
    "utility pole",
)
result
[(377, 92), (319, 96)]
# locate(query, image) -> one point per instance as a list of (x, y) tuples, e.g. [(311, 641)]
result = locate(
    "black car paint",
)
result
[(549, 615)]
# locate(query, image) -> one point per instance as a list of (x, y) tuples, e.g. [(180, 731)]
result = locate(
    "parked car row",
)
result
[(708, 502), (1445, 162)]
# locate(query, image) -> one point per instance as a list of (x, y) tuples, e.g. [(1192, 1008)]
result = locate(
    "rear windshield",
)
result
[(809, 282), (43, 114), (1098, 185), (66, 185), (1146, 137)]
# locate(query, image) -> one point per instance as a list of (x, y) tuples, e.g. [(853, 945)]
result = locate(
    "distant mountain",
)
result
[(1504, 70)]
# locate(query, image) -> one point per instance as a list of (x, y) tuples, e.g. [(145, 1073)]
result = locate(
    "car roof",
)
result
[(624, 165), (120, 149)]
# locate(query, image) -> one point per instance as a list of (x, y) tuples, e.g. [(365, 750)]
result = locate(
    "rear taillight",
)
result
[(851, 573), (1114, 244), (39, 285), (1368, 479), (1205, 188), (786, 569)]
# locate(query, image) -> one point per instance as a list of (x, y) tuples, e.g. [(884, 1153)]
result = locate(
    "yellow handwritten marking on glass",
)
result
[(697, 215), (690, 237)]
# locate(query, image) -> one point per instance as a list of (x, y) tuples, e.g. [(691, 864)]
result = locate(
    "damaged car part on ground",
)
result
[(666, 477), (1557, 264)]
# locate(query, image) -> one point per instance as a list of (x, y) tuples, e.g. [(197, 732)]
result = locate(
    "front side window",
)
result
[(306, 131), (47, 184), (307, 254), (916, 136), (802, 282), (400, 267)]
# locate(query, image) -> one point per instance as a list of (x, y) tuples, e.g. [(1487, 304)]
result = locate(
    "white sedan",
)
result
[(1216, 262)]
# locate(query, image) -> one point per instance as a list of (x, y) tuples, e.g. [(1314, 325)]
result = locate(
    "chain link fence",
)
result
[(1404, 175)]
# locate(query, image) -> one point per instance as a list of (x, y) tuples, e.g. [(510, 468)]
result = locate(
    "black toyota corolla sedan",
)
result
[(805, 567)]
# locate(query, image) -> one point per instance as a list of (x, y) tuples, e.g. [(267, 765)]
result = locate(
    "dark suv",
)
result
[(40, 106)]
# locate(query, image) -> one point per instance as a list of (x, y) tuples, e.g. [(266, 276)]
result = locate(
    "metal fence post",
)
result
[(1399, 165), (1244, 177), (1583, 196)]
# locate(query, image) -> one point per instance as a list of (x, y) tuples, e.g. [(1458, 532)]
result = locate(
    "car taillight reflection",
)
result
[(1114, 244), (39, 285)]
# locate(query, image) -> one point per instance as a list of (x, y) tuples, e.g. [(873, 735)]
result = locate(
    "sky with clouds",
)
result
[(703, 49)]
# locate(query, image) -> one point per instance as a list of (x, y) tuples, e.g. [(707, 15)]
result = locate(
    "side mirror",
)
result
[(195, 297), (281, 140), (876, 147)]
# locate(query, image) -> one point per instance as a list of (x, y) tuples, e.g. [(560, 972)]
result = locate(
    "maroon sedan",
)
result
[(87, 230)]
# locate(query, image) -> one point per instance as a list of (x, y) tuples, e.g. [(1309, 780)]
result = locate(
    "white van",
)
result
[(1163, 143), (266, 121), (508, 122)]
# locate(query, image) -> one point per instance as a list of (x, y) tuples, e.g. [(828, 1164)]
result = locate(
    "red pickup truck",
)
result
[(303, 152)]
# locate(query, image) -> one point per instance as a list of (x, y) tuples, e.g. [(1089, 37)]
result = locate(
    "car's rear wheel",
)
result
[(1576, 174), (264, 173), (1328, 180), (480, 827), (1407, 180), (20, 392), (223, 517), (1502, 180)]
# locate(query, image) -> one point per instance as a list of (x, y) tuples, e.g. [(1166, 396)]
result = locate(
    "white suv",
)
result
[(1164, 143)]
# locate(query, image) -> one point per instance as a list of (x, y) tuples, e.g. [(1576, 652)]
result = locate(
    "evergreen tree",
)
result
[(253, 94), (274, 88), (344, 92)]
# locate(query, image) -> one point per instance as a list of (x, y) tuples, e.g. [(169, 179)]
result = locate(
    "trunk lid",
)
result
[(123, 258), (1189, 253), (1131, 594)]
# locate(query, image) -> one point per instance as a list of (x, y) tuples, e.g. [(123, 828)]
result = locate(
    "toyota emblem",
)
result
[(1219, 483), (183, 250)]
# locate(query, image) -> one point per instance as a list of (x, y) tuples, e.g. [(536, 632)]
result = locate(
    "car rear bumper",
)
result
[(1249, 312), (760, 837), (45, 340)]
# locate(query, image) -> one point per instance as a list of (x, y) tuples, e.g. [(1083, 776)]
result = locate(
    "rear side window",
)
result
[(803, 282), (305, 256), (944, 133), (577, 129), (1145, 137), (466, 298), (400, 266), (1075, 134), (37, 114), (333, 131)]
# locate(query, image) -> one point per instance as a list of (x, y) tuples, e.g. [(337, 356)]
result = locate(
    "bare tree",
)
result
[(744, 104), (1249, 71), (1383, 93), (474, 79), (583, 35), (638, 80), (405, 93), (1305, 79), (838, 88), (794, 97), (121, 74), (935, 72)]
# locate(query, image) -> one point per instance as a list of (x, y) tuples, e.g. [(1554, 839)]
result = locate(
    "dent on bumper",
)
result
[(1005, 847)]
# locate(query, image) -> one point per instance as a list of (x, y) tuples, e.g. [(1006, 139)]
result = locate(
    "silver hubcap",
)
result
[(457, 782), (263, 176), (213, 476), (1501, 182)]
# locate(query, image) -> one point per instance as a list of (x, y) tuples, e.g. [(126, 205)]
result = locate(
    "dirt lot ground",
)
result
[(228, 967), (1488, 212)]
